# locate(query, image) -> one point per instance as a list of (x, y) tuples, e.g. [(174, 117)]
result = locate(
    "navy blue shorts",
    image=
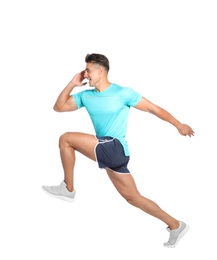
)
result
[(110, 154)]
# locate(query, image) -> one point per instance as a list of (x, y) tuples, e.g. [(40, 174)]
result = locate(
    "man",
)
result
[(108, 105)]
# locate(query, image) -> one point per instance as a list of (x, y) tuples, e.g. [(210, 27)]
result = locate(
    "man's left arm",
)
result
[(147, 106)]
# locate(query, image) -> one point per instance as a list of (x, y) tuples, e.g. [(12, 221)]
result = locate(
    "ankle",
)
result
[(70, 188), (174, 225)]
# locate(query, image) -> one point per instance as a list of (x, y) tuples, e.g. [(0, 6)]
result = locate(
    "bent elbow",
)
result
[(56, 108)]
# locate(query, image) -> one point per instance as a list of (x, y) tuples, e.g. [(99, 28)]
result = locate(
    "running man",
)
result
[(108, 106)]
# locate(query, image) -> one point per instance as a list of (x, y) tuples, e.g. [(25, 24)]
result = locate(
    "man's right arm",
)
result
[(65, 101)]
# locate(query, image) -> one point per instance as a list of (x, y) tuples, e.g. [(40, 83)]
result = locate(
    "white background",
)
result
[(166, 50)]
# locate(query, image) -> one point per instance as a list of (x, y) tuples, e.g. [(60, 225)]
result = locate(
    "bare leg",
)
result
[(125, 185), (69, 143)]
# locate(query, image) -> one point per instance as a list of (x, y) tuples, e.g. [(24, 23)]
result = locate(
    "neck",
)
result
[(103, 86)]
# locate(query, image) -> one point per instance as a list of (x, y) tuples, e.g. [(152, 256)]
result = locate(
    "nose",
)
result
[(85, 74)]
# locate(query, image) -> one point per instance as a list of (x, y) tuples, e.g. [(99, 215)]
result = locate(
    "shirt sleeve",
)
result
[(78, 99), (132, 97)]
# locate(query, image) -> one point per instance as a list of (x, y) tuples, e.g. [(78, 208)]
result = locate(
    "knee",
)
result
[(63, 140), (132, 199)]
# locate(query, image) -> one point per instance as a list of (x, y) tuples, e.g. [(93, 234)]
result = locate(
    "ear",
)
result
[(101, 70)]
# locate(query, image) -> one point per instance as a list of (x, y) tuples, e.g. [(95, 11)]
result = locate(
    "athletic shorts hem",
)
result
[(117, 171)]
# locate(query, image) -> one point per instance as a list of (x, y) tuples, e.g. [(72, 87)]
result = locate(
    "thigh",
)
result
[(81, 142), (124, 183)]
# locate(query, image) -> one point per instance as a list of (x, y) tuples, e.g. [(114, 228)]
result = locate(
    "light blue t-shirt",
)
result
[(109, 110)]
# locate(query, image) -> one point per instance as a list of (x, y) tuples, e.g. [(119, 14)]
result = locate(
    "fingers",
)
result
[(82, 72), (191, 133)]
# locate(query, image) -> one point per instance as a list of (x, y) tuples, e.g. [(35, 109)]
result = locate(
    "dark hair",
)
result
[(98, 59)]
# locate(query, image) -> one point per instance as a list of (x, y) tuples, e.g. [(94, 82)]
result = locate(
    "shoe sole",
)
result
[(178, 239), (59, 197)]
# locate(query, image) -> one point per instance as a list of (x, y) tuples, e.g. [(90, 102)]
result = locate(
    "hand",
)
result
[(186, 130), (77, 80)]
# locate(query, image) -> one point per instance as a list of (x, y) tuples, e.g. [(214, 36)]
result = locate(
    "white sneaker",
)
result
[(60, 192), (176, 234)]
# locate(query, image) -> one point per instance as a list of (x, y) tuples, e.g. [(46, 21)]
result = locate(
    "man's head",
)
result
[(99, 59), (97, 68)]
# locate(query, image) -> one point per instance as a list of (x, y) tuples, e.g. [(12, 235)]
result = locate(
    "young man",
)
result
[(108, 105)]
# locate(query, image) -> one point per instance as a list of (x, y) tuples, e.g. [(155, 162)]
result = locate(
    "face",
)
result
[(92, 74)]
